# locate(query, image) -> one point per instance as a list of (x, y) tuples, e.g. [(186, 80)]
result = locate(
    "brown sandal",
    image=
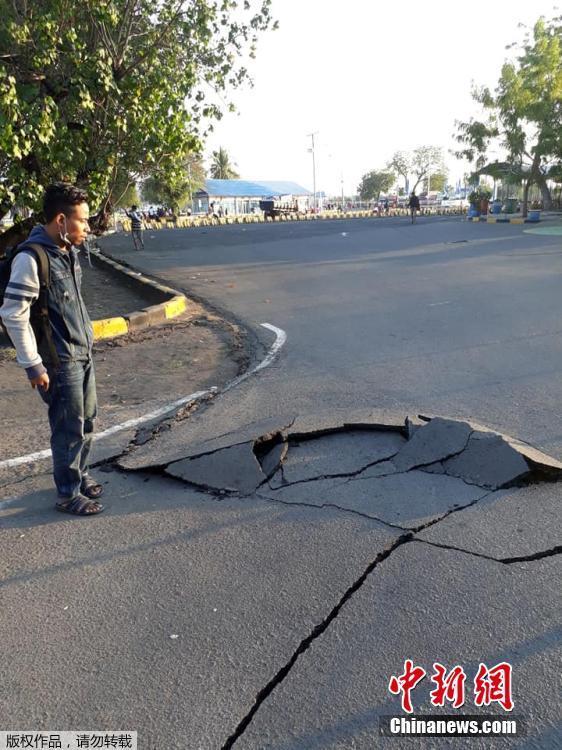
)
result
[(90, 488), (80, 506)]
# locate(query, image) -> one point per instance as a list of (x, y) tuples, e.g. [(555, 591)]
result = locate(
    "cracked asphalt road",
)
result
[(271, 559)]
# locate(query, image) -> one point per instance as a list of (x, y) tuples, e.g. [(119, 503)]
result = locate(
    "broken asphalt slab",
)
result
[(273, 459), (439, 439), (339, 453), (488, 461), (233, 469), (448, 449), (477, 456), (512, 523), (533, 455), (408, 500), (428, 605), (191, 438)]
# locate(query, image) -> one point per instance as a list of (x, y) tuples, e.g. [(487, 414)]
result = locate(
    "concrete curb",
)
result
[(174, 303), (495, 220), (190, 222)]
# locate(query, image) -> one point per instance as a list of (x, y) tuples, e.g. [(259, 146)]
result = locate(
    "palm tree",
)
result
[(221, 168)]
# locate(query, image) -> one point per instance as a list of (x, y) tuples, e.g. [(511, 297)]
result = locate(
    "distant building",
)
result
[(243, 197)]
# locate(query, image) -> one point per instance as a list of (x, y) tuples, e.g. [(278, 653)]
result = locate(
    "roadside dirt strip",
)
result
[(169, 303), (194, 350)]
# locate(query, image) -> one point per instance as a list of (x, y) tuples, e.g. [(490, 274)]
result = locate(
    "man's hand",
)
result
[(42, 382)]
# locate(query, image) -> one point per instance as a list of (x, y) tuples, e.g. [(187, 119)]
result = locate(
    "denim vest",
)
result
[(71, 326)]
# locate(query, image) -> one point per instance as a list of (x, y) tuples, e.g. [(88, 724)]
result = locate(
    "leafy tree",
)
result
[(221, 167), (555, 172), (401, 164), (426, 160), (101, 89), (160, 189), (524, 113), (159, 192), (437, 181), (420, 162), (124, 190), (375, 182), (129, 197)]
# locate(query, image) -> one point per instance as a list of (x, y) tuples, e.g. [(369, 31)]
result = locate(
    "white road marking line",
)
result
[(436, 304), (32, 457), (280, 339)]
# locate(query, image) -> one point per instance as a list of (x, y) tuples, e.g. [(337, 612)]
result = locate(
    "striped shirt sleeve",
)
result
[(22, 290)]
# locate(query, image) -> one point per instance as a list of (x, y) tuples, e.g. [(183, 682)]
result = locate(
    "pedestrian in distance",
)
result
[(136, 227), (414, 205), (46, 319)]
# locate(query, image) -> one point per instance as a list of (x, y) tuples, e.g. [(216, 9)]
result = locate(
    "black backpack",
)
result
[(39, 313)]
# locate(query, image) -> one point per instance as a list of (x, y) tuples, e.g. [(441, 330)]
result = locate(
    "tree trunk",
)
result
[(525, 197), (17, 233), (99, 223), (535, 176), (545, 192), (420, 178)]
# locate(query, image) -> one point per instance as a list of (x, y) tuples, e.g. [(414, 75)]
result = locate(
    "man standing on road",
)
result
[(414, 204), (136, 227), (55, 346)]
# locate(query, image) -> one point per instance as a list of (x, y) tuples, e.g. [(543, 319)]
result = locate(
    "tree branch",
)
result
[(156, 45), (125, 35)]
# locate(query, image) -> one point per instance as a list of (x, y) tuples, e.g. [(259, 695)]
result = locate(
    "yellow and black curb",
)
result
[(172, 304), (496, 220), (188, 222)]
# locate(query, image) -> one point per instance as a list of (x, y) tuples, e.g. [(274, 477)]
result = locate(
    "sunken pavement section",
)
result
[(464, 565), (408, 474)]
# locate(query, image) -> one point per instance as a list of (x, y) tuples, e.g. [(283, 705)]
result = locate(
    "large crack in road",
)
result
[(305, 644)]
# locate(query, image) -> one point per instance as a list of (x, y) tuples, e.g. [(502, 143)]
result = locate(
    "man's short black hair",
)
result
[(61, 197), (133, 208)]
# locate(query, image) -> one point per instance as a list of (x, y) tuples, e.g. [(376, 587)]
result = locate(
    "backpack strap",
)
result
[(43, 265), (40, 309)]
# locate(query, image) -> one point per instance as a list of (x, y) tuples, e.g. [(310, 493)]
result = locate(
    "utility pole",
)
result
[(190, 188), (311, 135)]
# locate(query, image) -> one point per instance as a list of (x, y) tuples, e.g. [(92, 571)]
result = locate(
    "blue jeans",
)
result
[(71, 399)]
